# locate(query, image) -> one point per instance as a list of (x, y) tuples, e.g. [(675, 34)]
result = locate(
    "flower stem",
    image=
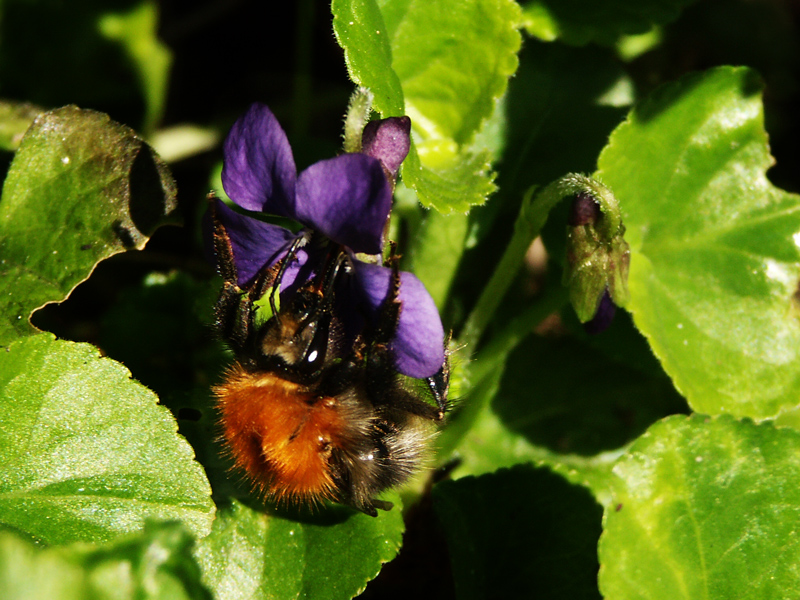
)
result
[(486, 369), (358, 111), (531, 218)]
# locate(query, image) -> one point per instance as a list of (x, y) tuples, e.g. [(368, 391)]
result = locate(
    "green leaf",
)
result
[(520, 533), (563, 404), (136, 32), (445, 64), (576, 400), (86, 453), (704, 508), (491, 445), (15, 118), (454, 186), (714, 246), (436, 252), (361, 32), (453, 59), (252, 555), (156, 564), (582, 21), (80, 188)]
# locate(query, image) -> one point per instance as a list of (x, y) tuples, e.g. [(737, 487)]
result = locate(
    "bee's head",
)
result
[(295, 340)]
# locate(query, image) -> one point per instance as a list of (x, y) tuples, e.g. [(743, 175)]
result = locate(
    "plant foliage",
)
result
[(659, 458)]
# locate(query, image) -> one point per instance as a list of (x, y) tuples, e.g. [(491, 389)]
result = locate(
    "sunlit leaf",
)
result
[(85, 452), (715, 261), (445, 64), (156, 564), (252, 554), (704, 508)]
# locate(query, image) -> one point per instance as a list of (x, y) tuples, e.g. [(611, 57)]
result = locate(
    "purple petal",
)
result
[(259, 173), (300, 270), (606, 309), (584, 210), (418, 345), (255, 244), (348, 199), (388, 140)]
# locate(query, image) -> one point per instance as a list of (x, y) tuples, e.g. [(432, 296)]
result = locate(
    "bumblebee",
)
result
[(310, 411)]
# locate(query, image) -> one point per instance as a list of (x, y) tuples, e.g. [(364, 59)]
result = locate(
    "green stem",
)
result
[(494, 353), (532, 217), (485, 370), (358, 111)]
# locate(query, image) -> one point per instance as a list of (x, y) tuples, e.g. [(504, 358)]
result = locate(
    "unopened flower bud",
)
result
[(597, 261), (603, 316), (584, 210), (388, 140)]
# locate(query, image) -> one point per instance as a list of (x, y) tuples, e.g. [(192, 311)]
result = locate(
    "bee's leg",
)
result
[(359, 478), (380, 364), (233, 307), (439, 385)]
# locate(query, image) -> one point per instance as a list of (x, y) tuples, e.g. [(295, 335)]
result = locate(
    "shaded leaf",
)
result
[(583, 21), (80, 188), (86, 453), (714, 256), (251, 554), (491, 445), (156, 564), (136, 31), (520, 533), (436, 252), (98, 53), (570, 398), (704, 508)]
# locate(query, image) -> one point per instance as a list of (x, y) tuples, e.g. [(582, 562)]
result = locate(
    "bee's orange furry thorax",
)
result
[(280, 434)]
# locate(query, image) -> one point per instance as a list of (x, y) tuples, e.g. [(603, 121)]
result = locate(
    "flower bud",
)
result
[(388, 140), (597, 261)]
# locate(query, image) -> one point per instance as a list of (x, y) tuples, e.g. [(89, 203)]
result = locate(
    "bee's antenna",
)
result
[(336, 259)]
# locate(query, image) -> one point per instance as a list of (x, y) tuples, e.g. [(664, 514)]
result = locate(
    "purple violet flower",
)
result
[(347, 199)]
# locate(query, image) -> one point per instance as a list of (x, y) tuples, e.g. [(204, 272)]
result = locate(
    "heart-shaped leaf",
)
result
[(715, 260), (80, 188), (85, 452)]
